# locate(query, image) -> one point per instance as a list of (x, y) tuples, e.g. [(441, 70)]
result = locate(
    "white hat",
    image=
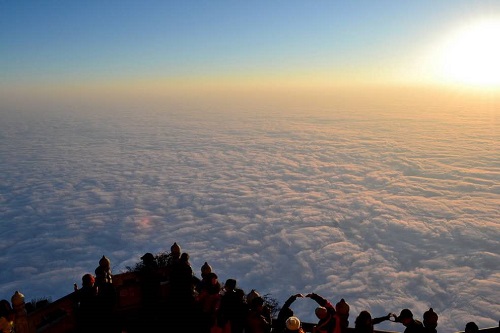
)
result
[(292, 323)]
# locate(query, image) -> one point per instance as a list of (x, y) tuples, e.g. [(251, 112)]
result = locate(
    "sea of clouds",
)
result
[(388, 210)]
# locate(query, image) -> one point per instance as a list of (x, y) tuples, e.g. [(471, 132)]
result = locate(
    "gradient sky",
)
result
[(69, 48)]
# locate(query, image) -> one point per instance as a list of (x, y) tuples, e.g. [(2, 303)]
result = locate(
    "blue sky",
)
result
[(56, 41)]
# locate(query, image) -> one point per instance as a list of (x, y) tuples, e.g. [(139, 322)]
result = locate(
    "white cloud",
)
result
[(383, 216)]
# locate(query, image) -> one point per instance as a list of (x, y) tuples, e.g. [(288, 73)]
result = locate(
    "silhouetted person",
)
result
[(285, 313), (87, 305), (172, 258), (471, 327), (412, 325), (205, 270), (259, 317), (364, 322), (175, 254), (149, 278), (430, 321), (103, 272), (181, 278), (180, 303), (208, 300), (106, 295), (325, 313), (233, 309), (342, 315)]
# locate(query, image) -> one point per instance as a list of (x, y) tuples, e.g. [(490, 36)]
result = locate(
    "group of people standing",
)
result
[(204, 305), (335, 319), (330, 319)]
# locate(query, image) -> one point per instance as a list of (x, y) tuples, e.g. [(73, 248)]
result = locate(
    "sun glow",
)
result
[(471, 56)]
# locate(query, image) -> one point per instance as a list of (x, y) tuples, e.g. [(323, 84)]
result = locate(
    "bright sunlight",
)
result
[(471, 56)]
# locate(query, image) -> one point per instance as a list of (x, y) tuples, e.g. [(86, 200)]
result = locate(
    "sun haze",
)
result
[(469, 55), (89, 51)]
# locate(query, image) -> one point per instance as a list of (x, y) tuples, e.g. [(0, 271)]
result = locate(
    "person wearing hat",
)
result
[(430, 321), (471, 327), (171, 260), (103, 271), (285, 313), (342, 313), (149, 279), (148, 259), (104, 280), (258, 318), (293, 325), (175, 255), (205, 269), (325, 313), (208, 300), (412, 325), (206, 277), (106, 293), (251, 295), (175, 250)]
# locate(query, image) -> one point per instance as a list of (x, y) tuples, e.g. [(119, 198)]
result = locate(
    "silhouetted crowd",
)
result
[(204, 305)]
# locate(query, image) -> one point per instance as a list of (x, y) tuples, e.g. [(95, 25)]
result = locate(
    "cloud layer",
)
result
[(384, 209)]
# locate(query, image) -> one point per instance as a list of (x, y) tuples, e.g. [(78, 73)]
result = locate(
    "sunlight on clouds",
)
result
[(386, 207)]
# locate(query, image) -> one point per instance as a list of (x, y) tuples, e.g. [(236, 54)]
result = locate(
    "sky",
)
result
[(119, 50), (348, 148)]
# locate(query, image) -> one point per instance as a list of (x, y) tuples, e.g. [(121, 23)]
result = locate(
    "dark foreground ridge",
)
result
[(162, 294)]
